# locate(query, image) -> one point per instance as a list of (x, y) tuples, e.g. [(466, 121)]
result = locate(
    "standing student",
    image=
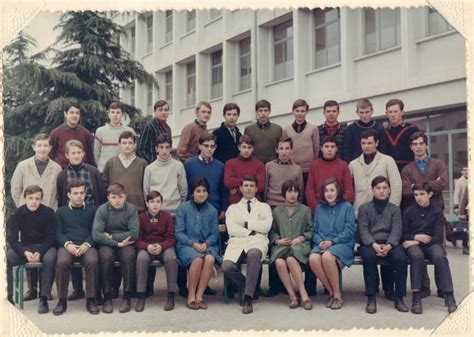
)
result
[(106, 143), (264, 133), (152, 130), (70, 130), (331, 127), (228, 134), (460, 187)]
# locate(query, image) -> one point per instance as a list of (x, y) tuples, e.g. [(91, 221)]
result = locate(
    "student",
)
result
[(331, 127), (115, 231), (189, 141), (70, 130), (228, 134), (248, 223), (127, 169), (106, 143), (290, 239), (352, 134), (264, 133), (74, 236), (460, 186), (152, 130), (244, 164), (156, 241), (333, 240), (380, 228), (423, 226), (31, 238), (305, 138), (197, 236)]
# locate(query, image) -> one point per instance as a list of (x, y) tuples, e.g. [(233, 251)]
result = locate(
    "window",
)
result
[(283, 50), (190, 20), (149, 34), (132, 95), (191, 83), (245, 64), (436, 23), (216, 74), (327, 37), (132, 41), (381, 29), (149, 97), (169, 87), (168, 26), (214, 14)]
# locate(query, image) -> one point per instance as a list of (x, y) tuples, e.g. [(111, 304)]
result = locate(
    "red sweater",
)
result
[(161, 232), (236, 168), (319, 171), (60, 136)]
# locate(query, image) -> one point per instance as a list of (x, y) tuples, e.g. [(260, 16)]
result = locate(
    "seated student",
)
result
[(197, 236), (156, 241), (380, 228), (115, 230), (74, 236), (333, 240), (290, 238), (31, 236), (423, 226)]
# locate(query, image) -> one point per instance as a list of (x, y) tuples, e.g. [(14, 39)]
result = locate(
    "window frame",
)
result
[(325, 25), (192, 77), (447, 27), (378, 35), (168, 85), (149, 34), (168, 35), (187, 27), (220, 70), (242, 56), (284, 42)]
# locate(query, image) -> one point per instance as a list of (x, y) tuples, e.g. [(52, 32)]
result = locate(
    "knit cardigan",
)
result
[(265, 140), (305, 145)]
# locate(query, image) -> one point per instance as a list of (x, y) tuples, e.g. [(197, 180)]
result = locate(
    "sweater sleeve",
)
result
[(348, 148), (407, 219), (53, 140), (315, 138), (170, 240), (407, 181), (223, 194), (347, 184), (180, 229), (261, 176), (132, 224), (213, 237), (230, 180), (147, 181), (317, 237), (50, 238), (310, 193), (182, 183), (98, 229), (347, 234), (61, 236), (16, 185), (440, 184), (13, 229), (141, 243), (363, 226), (395, 182), (89, 147), (106, 172), (396, 231), (183, 150), (438, 228), (97, 146)]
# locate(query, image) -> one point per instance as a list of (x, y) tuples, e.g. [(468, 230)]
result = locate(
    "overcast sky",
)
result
[(41, 28)]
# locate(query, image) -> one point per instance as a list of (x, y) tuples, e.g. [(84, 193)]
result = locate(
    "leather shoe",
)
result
[(452, 306), (60, 308), (125, 306), (400, 305), (30, 295), (307, 304), (92, 308), (329, 300), (108, 307), (192, 305), (371, 307), (293, 302), (140, 306), (202, 304), (416, 307), (43, 305), (247, 308), (76, 295), (209, 291), (169, 304), (337, 304)]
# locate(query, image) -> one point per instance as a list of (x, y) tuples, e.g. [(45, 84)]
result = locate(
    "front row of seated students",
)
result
[(115, 231)]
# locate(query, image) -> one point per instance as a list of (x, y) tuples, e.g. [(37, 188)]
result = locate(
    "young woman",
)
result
[(333, 240), (290, 238), (197, 234)]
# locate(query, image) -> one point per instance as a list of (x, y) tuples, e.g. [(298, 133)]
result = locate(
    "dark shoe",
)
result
[(247, 308), (440, 293), (293, 303), (30, 295), (140, 306), (389, 295), (400, 305), (452, 306), (329, 300), (307, 304), (425, 292), (337, 304), (92, 307), (115, 293), (125, 306), (192, 305), (183, 292), (60, 308), (465, 250), (371, 307), (271, 292), (76, 295), (43, 305), (169, 304), (202, 304), (210, 292), (416, 307), (108, 307)]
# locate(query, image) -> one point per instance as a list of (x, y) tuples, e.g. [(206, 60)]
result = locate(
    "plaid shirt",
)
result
[(82, 173)]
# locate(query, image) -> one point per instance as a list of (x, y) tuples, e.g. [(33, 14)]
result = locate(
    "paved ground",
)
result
[(269, 313)]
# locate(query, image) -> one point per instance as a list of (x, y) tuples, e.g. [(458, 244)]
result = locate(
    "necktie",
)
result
[(248, 206), (232, 132)]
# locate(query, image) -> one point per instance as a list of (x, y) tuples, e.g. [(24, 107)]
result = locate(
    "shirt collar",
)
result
[(200, 124), (130, 158), (153, 218), (67, 127), (71, 207), (289, 162), (252, 201), (205, 161), (263, 126), (402, 125), (424, 160)]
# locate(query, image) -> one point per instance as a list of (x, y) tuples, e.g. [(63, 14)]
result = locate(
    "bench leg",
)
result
[(226, 294), (19, 285), (340, 282)]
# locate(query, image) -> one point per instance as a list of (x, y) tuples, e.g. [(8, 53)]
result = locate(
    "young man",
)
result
[(228, 134), (106, 144), (398, 133), (370, 164), (70, 130), (166, 175), (128, 170), (248, 223), (189, 141), (152, 130), (305, 138), (264, 133), (352, 134), (460, 186), (244, 164), (204, 165), (423, 227), (380, 229), (74, 236), (331, 126), (115, 230), (31, 238)]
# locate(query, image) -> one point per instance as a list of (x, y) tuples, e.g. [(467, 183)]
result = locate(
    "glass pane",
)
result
[(279, 72), (332, 36), (278, 52), (289, 51), (216, 57), (333, 54), (369, 15), (245, 82), (321, 60), (245, 65), (370, 43), (191, 68), (319, 16), (320, 37), (283, 30), (244, 46), (388, 36), (332, 14)]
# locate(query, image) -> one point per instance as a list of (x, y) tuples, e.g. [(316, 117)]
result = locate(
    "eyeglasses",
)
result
[(209, 146)]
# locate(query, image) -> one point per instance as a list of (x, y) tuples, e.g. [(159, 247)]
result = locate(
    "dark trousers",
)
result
[(398, 263), (231, 270), (107, 256), (436, 254), (47, 273), (90, 261)]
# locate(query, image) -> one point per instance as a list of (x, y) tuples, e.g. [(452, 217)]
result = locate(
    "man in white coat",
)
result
[(248, 223)]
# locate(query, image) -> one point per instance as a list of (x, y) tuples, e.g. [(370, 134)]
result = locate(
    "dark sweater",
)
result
[(375, 227), (429, 220), (339, 135), (227, 148), (75, 224), (161, 232), (352, 134), (61, 135), (32, 228), (148, 137), (265, 140), (398, 143)]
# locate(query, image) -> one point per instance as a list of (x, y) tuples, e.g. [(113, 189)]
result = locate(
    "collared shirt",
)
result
[(67, 127), (41, 165), (422, 164), (299, 127), (263, 126), (71, 206), (201, 158), (127, 161), (232, 131), (200, 124), (368, 158), (289, 162), (331, 129), (153, 218)]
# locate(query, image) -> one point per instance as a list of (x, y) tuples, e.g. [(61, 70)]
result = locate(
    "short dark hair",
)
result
[(394, 101), (231, 106), (127, 135), (379, 179), (32, 189), (366, 134), (206, 136), (70, 104), (330, 181), (246, 139), (263, 103), (75, 183), (289, 185), (426, 186), (331, 103), (159, 104), (116, 189), (195, 182), (154, 194), (164, 138), (328, 139), (284, 139), (248, 177), (116, 105), (364, 103), (417, 135), (300, 103)]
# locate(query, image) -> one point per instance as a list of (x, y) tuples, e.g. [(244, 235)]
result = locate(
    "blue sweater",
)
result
[(214, 173)]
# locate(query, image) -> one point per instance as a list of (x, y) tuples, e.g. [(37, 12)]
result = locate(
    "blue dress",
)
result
[(335, 223), (196, 226)]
